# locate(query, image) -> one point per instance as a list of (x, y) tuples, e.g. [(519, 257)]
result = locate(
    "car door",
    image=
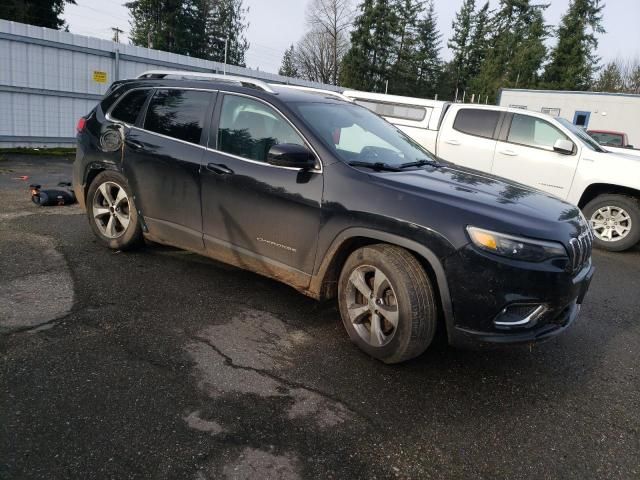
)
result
[(468, 137), (162, 162), (266, 216), (526, 155)]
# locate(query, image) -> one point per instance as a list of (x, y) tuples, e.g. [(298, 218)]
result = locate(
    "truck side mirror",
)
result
[(563, 146)]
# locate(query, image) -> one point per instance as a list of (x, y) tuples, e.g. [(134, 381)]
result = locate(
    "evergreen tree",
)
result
[(405, 68), (226, 19), (516, 50), (160, 24), (479, 43), (197, 28), (461, 41), (633, 83), (428, 54), (573, 61), (610, 79), (367, 64), (42, 13), (288, 67)]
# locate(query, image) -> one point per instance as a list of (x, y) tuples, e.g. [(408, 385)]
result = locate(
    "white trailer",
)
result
[(590, 110)]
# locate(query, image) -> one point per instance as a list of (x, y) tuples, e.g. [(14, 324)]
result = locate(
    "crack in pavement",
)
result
[(293, 386)]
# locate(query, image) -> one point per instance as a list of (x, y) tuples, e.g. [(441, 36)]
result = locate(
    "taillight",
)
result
[(81, 124)]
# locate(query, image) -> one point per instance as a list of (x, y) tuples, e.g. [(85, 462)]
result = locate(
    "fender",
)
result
[(316, 288)]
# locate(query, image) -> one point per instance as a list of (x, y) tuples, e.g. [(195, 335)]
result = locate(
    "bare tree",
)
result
[(314, 57), (329, 22)]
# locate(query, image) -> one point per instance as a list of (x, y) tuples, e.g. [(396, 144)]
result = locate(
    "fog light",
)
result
[(519, 315)]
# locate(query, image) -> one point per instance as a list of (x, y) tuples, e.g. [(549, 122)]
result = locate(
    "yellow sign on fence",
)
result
[(99, 76)]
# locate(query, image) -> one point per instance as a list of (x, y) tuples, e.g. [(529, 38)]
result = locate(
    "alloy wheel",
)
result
[(610, 223), (372, 305), (111, 209)]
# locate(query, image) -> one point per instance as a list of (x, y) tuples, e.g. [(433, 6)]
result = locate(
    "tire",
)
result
[(621, 214), (111, 212), (404, 294)]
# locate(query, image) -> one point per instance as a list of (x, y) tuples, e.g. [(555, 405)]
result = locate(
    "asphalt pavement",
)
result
[(163, 364)]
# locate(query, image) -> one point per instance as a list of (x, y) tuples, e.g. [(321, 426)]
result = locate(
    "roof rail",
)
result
[(244, 81), (315, 90)]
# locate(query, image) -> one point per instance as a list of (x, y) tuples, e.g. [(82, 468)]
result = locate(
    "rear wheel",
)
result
[(615, 220), (387, 303), (112, 213)]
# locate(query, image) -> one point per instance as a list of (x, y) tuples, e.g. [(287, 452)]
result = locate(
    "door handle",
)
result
[(510, 153), (452, 142), (134, 144), (219, 169)]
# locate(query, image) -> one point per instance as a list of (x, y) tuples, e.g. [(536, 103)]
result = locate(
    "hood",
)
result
[(470, 197), (626, 153)]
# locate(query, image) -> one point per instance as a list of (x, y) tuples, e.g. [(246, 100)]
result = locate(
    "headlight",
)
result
[(517, 248)]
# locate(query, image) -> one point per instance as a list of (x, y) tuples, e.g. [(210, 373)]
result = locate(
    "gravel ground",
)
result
[(164, 364)]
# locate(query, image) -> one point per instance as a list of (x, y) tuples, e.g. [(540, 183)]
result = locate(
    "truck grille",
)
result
[(580, 249)]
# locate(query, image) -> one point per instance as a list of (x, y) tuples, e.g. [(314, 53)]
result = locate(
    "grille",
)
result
[(580, 249)]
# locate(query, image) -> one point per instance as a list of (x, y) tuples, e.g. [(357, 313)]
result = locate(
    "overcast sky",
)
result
[(276, 24)]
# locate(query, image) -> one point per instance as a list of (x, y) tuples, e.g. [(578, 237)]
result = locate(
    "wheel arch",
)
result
[(92, 170), (324, 283), (596, 189)]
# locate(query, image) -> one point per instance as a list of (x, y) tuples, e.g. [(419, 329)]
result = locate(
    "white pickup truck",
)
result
[(532, 148)]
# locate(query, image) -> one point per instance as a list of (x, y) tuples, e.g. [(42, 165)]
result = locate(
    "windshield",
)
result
[(582, 135), (355, 134)]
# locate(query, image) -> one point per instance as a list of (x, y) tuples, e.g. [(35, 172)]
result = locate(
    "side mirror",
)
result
[(563, 146), (291, 155)]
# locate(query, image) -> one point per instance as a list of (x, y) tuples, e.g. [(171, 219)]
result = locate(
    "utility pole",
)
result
[(149, 44), (116, 32), (386, 86), (226, 49)]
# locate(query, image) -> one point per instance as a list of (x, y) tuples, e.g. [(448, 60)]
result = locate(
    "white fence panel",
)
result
[(49, 79)]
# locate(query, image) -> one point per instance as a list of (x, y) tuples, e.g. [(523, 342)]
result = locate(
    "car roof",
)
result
[(275, 92)]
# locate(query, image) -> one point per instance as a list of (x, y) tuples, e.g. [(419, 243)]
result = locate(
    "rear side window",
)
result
[(128, 108), (404, 112), (534, 132), (249, 128), (178, 114), (481, 123), (609, 139)]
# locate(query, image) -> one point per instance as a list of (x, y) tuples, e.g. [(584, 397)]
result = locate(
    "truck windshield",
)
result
[(582, 135), (357, 136)]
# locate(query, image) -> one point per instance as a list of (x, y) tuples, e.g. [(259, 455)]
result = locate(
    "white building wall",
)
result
[(618, 112), (47, 84)]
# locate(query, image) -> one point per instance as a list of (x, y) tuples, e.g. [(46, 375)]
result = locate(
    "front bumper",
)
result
[(483, 285)]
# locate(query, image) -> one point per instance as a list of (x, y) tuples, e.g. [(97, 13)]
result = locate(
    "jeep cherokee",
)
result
[(324, 195)]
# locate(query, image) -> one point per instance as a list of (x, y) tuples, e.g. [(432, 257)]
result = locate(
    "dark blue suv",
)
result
[(317, 192)]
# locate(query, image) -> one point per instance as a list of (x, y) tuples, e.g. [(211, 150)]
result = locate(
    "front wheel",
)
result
[(615, 220), (387, 303)]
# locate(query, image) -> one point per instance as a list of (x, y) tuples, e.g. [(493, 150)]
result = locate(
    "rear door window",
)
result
[(129, 107), (178, 114), (533, 132), (481, 123)]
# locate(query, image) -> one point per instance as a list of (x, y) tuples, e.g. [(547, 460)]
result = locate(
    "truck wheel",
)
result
[(112, 214), (387, 303), (615, 220)]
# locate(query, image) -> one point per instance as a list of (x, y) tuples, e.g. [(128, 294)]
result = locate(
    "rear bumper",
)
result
[(487, 290)]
